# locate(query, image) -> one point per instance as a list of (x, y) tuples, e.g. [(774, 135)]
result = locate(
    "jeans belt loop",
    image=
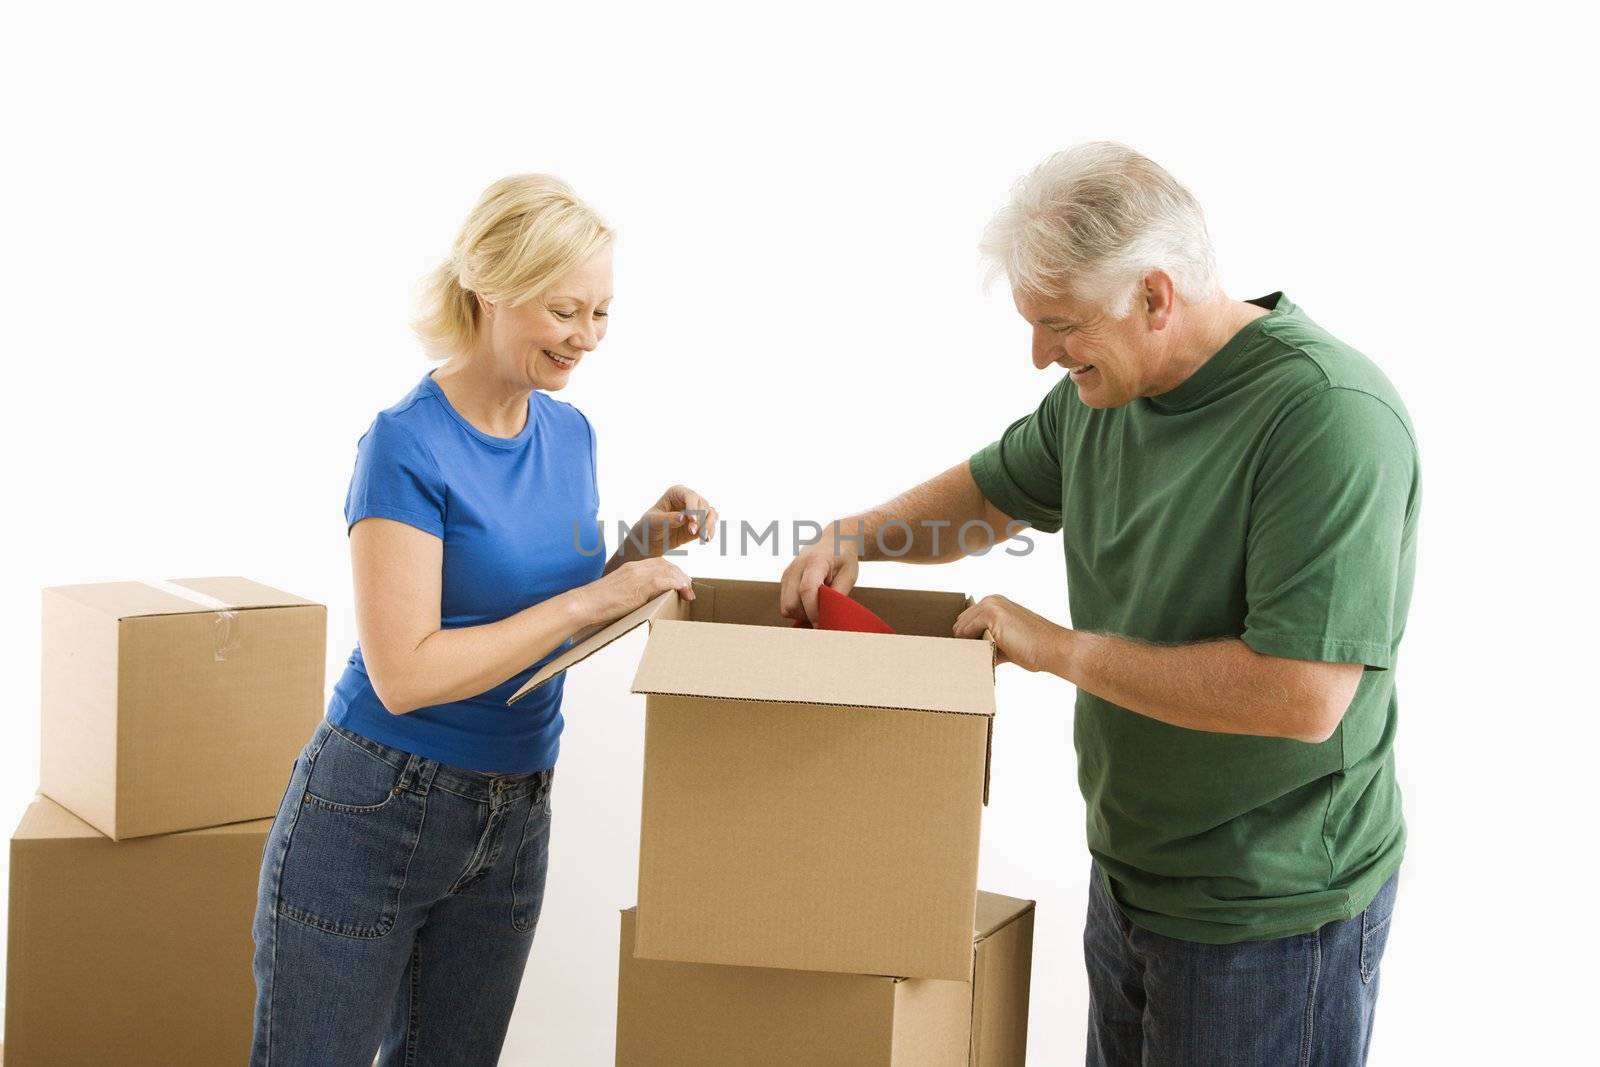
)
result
[(408, 775)]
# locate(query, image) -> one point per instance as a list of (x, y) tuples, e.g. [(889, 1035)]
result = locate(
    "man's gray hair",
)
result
[(1091, 221)]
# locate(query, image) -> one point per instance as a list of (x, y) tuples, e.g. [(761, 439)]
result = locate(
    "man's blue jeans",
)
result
[(1303, 1000), (397, 905)]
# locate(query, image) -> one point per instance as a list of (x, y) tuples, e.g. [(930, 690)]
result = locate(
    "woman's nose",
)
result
[(584, 338)]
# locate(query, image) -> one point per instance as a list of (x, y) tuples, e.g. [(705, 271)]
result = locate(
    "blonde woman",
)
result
[(404, 873)]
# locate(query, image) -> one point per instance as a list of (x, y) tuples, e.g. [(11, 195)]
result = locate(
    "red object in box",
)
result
[(835, 611)]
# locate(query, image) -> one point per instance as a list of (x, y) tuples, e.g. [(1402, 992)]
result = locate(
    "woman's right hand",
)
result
[(629, 586)]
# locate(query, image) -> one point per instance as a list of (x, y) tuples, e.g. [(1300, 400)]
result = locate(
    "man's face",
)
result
[(1109, 359)]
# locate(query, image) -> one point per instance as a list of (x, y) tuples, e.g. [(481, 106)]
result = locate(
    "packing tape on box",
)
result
[(223, 640)]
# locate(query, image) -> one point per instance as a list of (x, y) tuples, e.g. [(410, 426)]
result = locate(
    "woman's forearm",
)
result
[(445, 666), (453, 664)]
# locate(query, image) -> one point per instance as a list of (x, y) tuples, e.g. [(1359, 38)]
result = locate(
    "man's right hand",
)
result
[(817, 565)]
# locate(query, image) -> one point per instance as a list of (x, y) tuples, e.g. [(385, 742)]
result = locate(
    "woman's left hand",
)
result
[(680, 516)]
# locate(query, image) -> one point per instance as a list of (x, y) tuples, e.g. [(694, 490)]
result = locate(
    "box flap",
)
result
[(994, 912), (738, 662), (182, 596), (587, 644), (919, 612)]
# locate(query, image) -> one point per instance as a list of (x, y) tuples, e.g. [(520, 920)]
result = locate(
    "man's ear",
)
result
[(1158, 298)]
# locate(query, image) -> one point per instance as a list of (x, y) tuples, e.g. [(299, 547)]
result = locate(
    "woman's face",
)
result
[(540, 343)]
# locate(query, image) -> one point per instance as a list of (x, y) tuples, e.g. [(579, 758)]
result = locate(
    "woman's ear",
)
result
[(485, 305)]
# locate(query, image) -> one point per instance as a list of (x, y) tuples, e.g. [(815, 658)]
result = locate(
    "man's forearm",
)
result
[(924, 524), (1221, 686)]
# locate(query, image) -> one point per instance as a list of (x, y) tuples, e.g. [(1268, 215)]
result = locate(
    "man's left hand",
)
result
[(1031, 641)]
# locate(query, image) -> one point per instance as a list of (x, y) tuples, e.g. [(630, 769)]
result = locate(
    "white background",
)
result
[(214, 220)]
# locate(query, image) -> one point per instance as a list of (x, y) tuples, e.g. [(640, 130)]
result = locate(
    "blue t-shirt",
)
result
[(512, 513)]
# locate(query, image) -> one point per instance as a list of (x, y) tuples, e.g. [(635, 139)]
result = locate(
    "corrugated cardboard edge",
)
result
[(582, 650), (988, 753), (988, 760)]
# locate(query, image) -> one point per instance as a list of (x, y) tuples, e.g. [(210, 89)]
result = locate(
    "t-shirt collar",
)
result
[(1199, 384), (489, 439)]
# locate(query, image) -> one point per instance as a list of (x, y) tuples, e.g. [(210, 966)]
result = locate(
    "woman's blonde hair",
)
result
[(527, 231)]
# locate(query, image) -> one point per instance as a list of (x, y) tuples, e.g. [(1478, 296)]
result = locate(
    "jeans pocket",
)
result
[(532, 865), (347, 777), (1375, 922), (350, 847)]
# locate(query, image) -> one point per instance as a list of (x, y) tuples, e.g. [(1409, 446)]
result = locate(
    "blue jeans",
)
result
[(397, 905), (1303, 1000)]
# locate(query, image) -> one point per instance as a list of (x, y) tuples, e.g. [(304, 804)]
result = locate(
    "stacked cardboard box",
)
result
[(811, 812), (672, 1014), (172, 713)]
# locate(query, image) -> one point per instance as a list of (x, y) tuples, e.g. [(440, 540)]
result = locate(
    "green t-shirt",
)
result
[(1271, 497)]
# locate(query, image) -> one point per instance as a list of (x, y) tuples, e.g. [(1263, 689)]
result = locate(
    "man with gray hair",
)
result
[(1238, 495)]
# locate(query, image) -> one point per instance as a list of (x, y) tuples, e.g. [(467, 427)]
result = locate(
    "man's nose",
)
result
[(1046, 350)]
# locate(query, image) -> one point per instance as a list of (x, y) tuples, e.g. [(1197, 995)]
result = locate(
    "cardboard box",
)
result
[(132, 953), (174, 705), (711, 1015), (811, 799)]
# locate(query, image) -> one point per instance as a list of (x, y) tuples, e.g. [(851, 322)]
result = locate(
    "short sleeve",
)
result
[(395, 478), (1327, 560), (1021, 473)]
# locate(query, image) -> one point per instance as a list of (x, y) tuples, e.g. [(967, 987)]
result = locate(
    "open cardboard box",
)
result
[(715, 1016), (812, 799)]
